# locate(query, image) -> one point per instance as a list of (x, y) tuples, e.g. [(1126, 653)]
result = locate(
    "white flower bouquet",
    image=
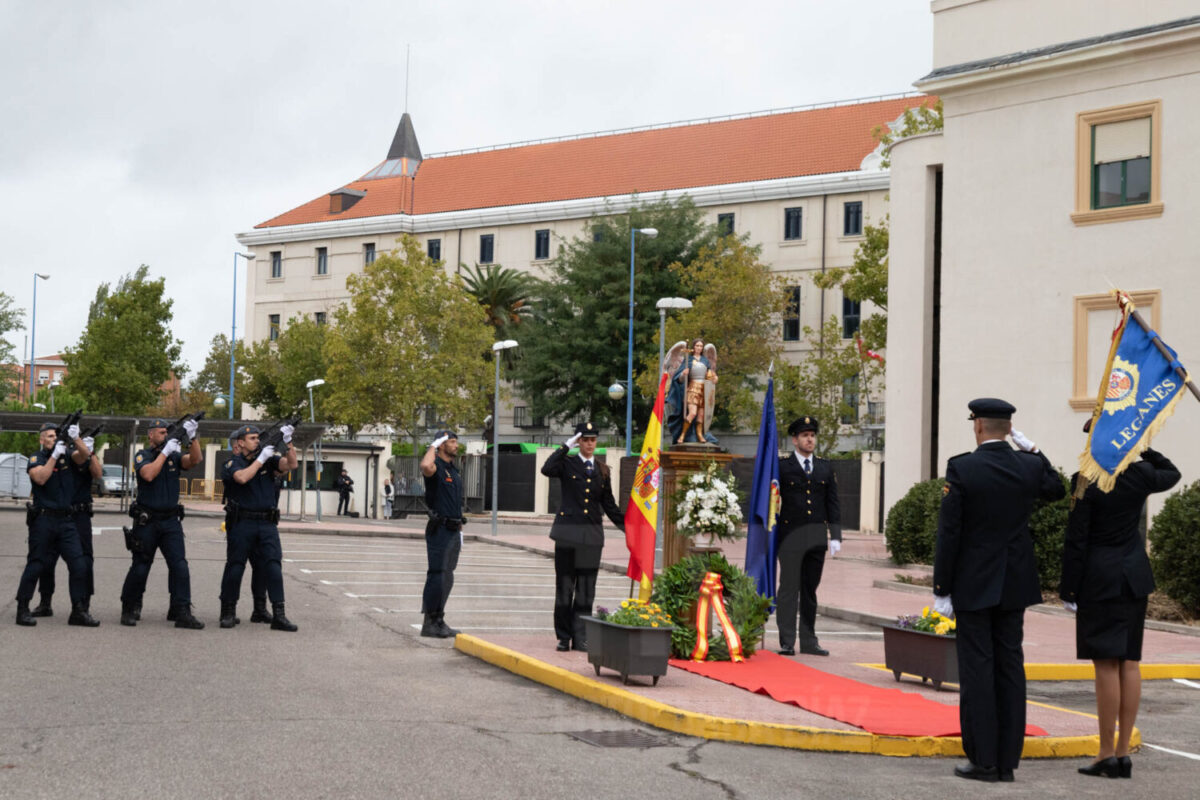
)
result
[(707, 503)]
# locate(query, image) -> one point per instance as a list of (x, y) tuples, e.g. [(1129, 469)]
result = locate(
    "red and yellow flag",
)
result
[(641, 515)]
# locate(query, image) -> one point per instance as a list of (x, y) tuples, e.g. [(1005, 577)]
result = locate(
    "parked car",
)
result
[(111, 481)]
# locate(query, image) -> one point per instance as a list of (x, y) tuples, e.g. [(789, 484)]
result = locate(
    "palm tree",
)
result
[(504, 294)]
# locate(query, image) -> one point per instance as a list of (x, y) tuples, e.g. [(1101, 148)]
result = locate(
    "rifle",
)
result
[(92, 432), (177, 432), (273, 436), (60, 433)]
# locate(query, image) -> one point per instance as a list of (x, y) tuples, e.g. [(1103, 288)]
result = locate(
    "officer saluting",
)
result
[(809, 513), (252, 517), (443, 533), (985, 570), (578, 532), (52, 526), (156, 514)]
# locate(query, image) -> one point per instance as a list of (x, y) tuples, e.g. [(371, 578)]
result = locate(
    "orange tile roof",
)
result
[(759, 148)]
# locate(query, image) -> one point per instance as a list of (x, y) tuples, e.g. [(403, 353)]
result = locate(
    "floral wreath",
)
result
[(677, 591)]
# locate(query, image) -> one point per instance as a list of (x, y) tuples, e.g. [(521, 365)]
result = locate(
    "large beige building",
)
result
[(1068, 165), (802, 183)]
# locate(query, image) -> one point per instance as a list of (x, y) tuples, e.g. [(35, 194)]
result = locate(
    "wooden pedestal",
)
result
[(677, 463)]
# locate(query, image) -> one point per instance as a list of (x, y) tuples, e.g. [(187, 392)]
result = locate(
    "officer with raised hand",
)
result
[(156, 515), (52, 526), (443, 533), (252, 517)]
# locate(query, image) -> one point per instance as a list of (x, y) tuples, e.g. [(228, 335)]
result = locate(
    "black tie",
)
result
[(588, 468), (807, 467)]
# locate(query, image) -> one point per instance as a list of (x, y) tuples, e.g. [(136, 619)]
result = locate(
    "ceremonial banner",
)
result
[(641, 514), (1140, 388), (764, 501)]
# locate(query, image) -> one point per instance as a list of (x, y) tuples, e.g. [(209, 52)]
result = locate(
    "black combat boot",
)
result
[(184, 618), (44, 609), (136, 610), (280, 622), (260, 613), (443, 630), (172, 612), (228, 612), (129, 615), (429, 626), (24, 617), (80, 616)]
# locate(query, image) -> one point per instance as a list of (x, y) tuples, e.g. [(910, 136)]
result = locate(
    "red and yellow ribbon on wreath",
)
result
[(712, 596)]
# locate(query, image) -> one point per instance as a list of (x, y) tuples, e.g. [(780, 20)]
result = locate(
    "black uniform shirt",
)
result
[(162, 493), (443, 489), (82, 473), (256, 494), (56, 492)]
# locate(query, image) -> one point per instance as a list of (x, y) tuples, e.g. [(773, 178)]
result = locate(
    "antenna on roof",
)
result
[(407, 58)]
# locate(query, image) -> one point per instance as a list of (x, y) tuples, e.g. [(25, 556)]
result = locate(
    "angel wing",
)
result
[(675, 357), (710, 352)]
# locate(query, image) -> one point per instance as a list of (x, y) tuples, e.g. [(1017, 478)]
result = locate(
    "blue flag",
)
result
[(764, 501), (1140, 388)]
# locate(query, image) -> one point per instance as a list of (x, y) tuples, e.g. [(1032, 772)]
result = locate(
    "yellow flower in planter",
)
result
[(925, 611), (941, 628)]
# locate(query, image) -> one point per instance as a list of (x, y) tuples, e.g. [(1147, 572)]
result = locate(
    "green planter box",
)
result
[(926, 655), (628, 649)]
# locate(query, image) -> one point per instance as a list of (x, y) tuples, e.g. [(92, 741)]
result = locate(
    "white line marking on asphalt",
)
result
[(457, 575), (486, 628), (466, 596), (1192, 756), (1186, 682)]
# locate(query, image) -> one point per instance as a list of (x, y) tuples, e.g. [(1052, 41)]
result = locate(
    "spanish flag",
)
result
[(641, 515)]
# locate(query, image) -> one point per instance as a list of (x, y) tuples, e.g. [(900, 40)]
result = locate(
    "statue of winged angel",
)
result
[(693, 372)]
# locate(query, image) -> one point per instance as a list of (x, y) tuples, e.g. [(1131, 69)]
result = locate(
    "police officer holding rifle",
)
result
[(252, 518)]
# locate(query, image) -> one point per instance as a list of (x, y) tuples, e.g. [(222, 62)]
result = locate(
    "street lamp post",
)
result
[(312, 415), (662, 305), (633, 232), (496, 348), (233, 335), (33, 333), (51, 387)]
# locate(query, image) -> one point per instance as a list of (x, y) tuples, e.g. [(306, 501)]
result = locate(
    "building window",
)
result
[(434, 249), (852, 219), (276, 263), (541, 244), (322, 260), (319, 317), (522, 419), (597, 234), (43, 375), (273, 327), (487, 248), (725, 224), (791, 316), (58, 375), (851, 316), (850, 398), (368, 253), (1095, 315), (793, 227), (1117, 163)]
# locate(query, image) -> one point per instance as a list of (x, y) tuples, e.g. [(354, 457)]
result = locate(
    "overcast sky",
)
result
[(153, 131)]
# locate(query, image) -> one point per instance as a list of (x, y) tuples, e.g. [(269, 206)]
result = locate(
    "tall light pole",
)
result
[(496, 348), (633, 232), (52, 385), (312, 415), (233, 337), (33, 333), (662, 305)]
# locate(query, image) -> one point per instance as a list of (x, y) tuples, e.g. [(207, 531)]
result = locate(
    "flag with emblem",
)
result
[(1142, 381), (641, 515), (764, 500)]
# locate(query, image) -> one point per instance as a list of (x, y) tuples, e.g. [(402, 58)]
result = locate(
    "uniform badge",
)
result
[(140, 458)]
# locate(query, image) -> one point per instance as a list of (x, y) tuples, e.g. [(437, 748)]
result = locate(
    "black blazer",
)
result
[(984, 550), (808, 499), (585, 501), (1104, 550)]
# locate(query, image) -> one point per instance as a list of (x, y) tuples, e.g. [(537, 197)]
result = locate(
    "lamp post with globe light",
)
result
[(633, 232)]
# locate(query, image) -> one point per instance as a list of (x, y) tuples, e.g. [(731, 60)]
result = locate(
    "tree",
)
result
[(411, 337), (10, 320), (576, 343), (277, 373), (213, 377), (127, 351), (925, 118), (503, 293)]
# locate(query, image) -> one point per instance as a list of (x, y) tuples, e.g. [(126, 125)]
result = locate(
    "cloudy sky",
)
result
[(152, 131)]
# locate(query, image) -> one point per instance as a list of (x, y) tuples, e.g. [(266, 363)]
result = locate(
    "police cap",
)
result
[(158, 422), (245, 430), (587, 429), (47, 426), (803, 424), (449, 434), (990, 408)]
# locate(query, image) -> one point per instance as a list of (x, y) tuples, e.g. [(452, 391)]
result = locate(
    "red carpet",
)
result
[(888, 712)]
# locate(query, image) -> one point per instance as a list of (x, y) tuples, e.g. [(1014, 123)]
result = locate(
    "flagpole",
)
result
[(1162, 348)]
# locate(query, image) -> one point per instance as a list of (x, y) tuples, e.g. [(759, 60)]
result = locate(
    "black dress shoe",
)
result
[(1006, 776), (786, 651), (975, 773), (1106, 767), (580, 646), (563, 646), (1125, 764), (813, 650)]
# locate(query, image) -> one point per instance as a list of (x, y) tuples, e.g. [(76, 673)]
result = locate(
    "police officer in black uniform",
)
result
[(81, 507), (578, 532), (985, 573), (344, 485), (52, 525), (810, 514), (252, 522), (156, 516), (443, 533)]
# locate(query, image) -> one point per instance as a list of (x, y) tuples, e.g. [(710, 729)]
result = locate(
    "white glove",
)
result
[(73, 432), (438, 442), (287, 431), (171, 447), (1023, 442), (267, 453), (1069, 606), (943, 606), (574, 440), (60, 450), (191, 426), (89, 443), (835, 547)]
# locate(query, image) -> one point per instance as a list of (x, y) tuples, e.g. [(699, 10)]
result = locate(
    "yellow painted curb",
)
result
[(1084, 671), (704, 726)]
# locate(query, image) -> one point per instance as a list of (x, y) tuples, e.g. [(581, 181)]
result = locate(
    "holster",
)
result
[(31, 513), (449, 523), (132, 543)]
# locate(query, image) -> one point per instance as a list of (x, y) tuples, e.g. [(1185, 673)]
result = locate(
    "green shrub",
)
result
[(677, 591), (911, 528), (1175, 548), (1048, 526)]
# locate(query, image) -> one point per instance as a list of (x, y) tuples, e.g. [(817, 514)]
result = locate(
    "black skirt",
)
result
[(1111, 628)]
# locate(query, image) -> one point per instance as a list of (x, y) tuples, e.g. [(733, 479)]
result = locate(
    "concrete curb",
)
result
[(704, 726)]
